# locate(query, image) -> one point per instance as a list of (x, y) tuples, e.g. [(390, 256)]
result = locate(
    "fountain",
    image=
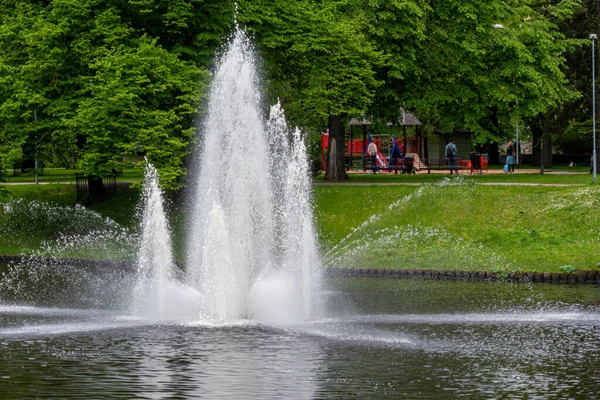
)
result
[(251, 239), (251, 243), (243, 317), (158, 293)]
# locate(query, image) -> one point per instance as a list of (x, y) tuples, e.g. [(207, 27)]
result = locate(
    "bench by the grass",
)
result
[(465, 165), (401, 167), (443, 164)]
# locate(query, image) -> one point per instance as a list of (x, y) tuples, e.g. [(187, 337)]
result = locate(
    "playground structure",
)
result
[(399, 161), (427, 151), (356, 156)]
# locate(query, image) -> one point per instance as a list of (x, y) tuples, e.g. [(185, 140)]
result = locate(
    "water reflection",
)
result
[(234, 362), (383, 339)]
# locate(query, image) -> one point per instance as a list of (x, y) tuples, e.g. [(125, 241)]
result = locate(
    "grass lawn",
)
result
[(120, 207), (436, 225), (465, 226), (40, 215), (68, 175)]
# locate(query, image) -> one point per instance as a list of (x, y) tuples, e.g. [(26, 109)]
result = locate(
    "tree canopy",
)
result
[(108, 79)]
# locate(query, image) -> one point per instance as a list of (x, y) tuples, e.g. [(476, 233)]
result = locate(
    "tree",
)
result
[(573, 120), (111, 76), (319, 63), (476, 60)]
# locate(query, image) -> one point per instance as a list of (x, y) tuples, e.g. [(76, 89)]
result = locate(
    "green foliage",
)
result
[(444, 59), (105, 79), (128, 95), (318, 57), (481, 59), (114, 78)]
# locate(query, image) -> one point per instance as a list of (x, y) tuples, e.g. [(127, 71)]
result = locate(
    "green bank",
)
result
[(437, 224)]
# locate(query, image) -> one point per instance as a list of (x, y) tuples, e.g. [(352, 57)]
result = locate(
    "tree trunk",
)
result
[(493, 150), (547, 149), (542, 144), (335, 154), (536, 136)]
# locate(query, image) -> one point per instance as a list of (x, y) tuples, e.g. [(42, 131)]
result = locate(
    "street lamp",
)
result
[(517, 140), (593, 38)]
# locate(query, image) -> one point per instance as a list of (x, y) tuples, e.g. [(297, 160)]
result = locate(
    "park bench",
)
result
[(465, 165), (444, 164), (401, 167)]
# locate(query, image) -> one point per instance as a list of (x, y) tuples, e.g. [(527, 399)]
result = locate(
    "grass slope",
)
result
[(436, 225), (464, 226)]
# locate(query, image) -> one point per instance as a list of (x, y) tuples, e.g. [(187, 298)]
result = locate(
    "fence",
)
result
[(91, 188)]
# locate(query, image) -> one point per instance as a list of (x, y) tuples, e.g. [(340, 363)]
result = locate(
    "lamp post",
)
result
[(517, 139), (593, 38)]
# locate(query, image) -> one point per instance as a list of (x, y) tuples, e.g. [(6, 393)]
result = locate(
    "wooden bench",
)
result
[(396, 168), (444, 164)]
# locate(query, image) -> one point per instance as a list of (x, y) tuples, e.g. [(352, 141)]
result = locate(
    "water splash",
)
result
[(158, 294), (413, 245), (251, 246), (55, 273)]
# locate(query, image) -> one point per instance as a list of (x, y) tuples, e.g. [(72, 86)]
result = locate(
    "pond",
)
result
[(380, 338)]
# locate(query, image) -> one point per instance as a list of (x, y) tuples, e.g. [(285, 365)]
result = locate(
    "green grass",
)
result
[(28, 228), (121, 207), (466, 226), (56, 193), (434, 225), (68, 175)]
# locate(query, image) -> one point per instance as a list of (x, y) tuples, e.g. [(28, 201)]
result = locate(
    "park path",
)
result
[(39, 183), (529, 171), (347, 183)]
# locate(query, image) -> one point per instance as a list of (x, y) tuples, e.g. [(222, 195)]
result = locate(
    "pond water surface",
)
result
[(380, 339)]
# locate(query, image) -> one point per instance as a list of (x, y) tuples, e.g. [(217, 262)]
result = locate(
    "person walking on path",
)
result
[(372, 150), (395, 153), (510, 157), (451, 152)]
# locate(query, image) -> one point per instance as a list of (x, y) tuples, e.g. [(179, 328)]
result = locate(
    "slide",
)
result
[(381, 161)]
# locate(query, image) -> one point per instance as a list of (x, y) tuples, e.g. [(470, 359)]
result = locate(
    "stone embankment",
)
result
[(590, 277)]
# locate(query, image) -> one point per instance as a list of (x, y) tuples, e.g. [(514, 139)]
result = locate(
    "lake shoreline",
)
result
[(587, 277)]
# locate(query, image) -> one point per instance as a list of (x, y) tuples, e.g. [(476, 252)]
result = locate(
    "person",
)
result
[(372, 150), (395, 153), (451, 152), (510, 157)]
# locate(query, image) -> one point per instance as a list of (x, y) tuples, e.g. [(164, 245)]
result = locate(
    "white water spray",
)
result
[(251, 242), (157, 293)]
